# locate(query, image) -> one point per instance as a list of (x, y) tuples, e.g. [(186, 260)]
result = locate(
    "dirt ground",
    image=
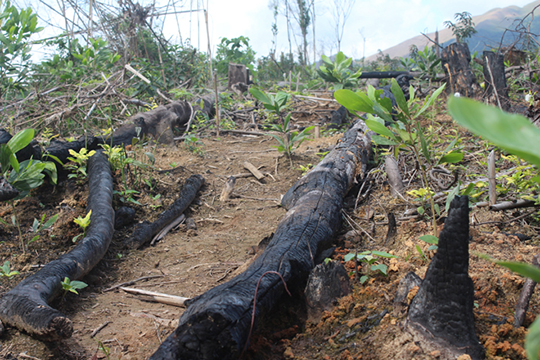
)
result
[(187, 262)]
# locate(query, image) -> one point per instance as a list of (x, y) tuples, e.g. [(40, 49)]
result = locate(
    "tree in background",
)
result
[(236, 50), (340, 13), (463, 28)]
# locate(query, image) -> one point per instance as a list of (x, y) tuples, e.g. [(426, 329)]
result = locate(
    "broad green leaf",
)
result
[(532, 340), (50, 222), (511, 132), (327, 60), (21, 140), (379, 140), (380, 267), (469, 189), (430, 101), (451, 158), (430, 239), (383, 254), (259, 95), (348, 257), (353, 101), (363, 279), (380, 129), (526, 270), (400, 98)]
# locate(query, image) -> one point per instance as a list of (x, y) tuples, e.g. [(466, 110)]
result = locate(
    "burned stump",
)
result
[(26, 305), (442, 310), (217, 324), (455, 60), (496, 89)]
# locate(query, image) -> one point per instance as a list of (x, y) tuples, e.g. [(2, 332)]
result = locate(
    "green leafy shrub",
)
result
[(370, 258), (339, 72)]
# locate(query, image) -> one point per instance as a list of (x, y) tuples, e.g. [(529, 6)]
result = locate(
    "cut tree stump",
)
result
[(442, 310), (217, 324), (495, 79), (145, 231), (455, 60), (26, 305), (238, 73)]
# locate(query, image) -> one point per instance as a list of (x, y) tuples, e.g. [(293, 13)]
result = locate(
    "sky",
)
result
[(372, 25), (381, 23)]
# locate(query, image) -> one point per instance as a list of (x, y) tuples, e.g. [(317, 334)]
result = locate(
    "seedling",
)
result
[(79, 161), (5, 271), (72, 286), (38, 226), (370, 258), (83, 222), (288, 140)]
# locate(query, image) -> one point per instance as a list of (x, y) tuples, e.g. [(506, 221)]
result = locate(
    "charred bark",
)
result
[(26, 306), (455, 60), (217, 324), (145, 231), (442, 310), (158, 123), (496, 88), (7, 192)]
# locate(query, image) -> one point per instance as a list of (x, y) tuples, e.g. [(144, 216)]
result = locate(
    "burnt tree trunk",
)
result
[(455, 60), (238, 73), (216, 324), (145, 231), (26, 305), (442, 310), (496, 89), (158, 123)]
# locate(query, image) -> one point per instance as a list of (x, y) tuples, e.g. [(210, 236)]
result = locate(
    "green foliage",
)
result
[(194, 145), (274, 103), (28, 174), (78, 163), (72, 286), (5, 271), (425, 61), (463, 28), (288, 140), (38, 226), (83, 222), (406, 131), (16, 28), (370, 258), (235, 50), (430, 239), (339, 72)]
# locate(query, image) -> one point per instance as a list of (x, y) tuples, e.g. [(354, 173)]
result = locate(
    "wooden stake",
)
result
[(158, 297), (218, 118), (491, 179), (249, 166), (317, 131)]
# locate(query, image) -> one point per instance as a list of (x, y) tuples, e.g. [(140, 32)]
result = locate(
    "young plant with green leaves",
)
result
[(339, 71), (83, 223), (38, 226), (5, 271), (24, 176), (289, 141), (370, 258), (72, 286), (78, 163), (405, 132), (275, 103)]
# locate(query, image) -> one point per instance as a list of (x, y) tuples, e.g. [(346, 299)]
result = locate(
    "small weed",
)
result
[(72, 286), (370, 258), (83, 222), (5, 271)]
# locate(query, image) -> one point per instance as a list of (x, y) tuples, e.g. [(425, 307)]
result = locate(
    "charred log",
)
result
[(26, 306), (7, 192), (217, 324), (145, 231), (455, 60), (442, 310)]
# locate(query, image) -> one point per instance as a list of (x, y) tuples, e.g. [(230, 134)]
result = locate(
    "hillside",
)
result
[(490, 27)]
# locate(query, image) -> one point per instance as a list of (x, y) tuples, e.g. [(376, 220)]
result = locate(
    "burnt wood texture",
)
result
[(217, 324), (455, 60), (26, 306), (442, 310)]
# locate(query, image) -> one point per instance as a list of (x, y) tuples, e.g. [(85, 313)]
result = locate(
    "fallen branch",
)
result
[(216, 324), (145, 231), (26, 306)]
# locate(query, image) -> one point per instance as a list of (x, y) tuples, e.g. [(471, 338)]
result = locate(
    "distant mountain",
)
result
[(490, 27)]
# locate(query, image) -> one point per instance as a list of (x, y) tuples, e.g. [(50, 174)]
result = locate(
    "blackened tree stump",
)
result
[(26, 305), (442, 310), (496, 91), (455, 60), (217, 324)]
